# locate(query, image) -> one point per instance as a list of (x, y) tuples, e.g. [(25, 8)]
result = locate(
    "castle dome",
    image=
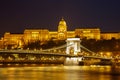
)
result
[(62, 22)]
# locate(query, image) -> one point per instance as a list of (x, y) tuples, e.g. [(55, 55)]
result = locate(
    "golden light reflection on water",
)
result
[(101, 68), (57, 73)]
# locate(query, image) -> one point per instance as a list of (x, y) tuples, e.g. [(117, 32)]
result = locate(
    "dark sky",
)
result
[(17, 15)]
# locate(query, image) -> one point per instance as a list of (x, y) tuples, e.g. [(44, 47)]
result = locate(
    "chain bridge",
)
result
[(71, 53)]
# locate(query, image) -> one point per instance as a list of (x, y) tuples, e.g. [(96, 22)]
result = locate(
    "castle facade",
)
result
[(31, 35)]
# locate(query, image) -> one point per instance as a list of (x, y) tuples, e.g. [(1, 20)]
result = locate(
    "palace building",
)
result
[(32, 35)]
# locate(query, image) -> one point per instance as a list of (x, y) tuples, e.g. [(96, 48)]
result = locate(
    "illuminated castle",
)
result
[(31, 35)]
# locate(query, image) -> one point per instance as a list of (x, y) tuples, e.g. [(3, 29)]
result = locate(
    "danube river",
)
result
[(60, 73)]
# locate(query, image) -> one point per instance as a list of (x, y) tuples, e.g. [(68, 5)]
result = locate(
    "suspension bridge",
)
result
[(71, 53)]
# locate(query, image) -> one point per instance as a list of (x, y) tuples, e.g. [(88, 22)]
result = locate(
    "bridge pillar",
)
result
[(73, 48)]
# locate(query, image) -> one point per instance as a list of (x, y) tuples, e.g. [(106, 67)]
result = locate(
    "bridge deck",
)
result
[(38, 52)]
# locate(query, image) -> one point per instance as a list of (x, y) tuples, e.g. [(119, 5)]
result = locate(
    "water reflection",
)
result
[(60, 73)]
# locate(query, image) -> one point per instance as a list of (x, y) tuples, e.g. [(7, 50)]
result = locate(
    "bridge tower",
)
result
[(73, 48)]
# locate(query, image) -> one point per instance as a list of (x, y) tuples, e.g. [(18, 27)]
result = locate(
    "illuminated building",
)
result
[(110, 35), (53, 35), (43, 35), (62, 30), (70, 34), (14, 40), (89, 33), (32, 35)]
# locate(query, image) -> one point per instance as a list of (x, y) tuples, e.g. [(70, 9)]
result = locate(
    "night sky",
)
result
[(17, 15)]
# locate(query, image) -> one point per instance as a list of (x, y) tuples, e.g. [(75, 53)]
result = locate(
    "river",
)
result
[(60, 72)]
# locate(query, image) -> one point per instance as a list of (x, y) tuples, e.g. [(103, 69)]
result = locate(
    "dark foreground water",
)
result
[(60, 73)]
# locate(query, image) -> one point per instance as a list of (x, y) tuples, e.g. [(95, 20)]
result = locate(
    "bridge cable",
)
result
[(59, 47), (86, 49)]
